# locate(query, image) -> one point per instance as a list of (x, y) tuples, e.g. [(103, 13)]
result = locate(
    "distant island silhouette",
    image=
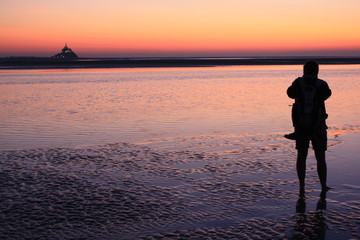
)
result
[(66, 53), (69, 59)]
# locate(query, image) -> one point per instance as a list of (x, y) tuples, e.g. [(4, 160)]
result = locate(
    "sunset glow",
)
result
[(111, 28)]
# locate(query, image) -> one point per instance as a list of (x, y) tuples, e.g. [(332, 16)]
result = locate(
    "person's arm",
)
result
[(292, 91), (325, 91)]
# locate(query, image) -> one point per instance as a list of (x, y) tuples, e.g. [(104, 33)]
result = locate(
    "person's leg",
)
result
[(301, 167), (321, 168), (320, 146)]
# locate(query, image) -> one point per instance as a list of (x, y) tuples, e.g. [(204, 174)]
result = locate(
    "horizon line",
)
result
[(172, 57)]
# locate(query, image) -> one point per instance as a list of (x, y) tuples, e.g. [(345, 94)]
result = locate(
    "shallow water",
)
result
[(171, 153), (40, 108)]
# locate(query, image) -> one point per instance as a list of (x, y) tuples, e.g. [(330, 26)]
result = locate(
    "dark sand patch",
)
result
[(123, 191)]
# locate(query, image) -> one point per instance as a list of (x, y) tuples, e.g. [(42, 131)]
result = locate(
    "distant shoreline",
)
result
[(53, 63)]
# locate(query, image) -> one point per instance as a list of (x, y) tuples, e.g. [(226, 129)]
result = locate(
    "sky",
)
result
[(180, 28)]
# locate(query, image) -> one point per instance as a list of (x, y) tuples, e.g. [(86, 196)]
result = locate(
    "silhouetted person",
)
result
[(309, 115)]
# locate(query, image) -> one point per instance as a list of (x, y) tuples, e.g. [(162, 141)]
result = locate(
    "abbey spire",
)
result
[(66, 53)]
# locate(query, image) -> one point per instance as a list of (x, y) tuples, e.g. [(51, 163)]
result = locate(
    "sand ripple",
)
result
[(123, 191)]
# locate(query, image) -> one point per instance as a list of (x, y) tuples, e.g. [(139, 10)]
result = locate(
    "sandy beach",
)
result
[(172, 120), (128, 191), (171, 153)]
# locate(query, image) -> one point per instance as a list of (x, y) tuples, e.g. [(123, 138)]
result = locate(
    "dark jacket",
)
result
[(323, 92)]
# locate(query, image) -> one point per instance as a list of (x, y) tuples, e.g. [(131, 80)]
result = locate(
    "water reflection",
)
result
[(100, 106), (312, 224)]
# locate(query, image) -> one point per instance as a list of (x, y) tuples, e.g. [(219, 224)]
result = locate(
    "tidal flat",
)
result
[(129, 191), (171, 153)]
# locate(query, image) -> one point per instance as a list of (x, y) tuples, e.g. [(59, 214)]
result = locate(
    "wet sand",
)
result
[(240, 188)]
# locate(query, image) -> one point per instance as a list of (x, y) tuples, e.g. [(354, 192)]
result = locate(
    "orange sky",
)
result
[(122, 28)]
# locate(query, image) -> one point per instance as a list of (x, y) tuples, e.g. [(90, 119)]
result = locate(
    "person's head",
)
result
[(311, 68)]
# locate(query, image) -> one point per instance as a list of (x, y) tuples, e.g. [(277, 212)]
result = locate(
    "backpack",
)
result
[(307, 109)]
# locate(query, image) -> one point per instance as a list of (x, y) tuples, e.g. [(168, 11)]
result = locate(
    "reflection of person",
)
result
[(309, 116), (310, 225)]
